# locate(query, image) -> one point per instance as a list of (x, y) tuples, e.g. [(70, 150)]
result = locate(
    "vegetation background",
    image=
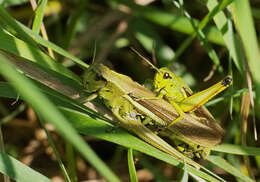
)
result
[(201, 40)]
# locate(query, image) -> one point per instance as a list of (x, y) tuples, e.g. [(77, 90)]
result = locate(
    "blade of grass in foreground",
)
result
[(50, 113), (131, 166), (18, 171)]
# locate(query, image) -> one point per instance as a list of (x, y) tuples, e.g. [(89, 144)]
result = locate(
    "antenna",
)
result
[(145, 59), (94, 53), (153, 54)]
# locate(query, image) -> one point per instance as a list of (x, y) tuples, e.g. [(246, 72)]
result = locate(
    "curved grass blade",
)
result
[(19, 171), (50, 113)]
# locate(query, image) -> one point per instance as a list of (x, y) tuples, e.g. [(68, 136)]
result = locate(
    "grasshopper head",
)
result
[(162, 78), (167, 80), (93, 81)]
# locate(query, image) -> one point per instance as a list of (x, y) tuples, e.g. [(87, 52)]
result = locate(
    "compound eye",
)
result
[(227, 81), (166, 75)]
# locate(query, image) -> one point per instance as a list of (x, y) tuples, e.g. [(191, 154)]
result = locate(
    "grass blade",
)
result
[(32, 38), (24, 49), (39, 14), (18, 171), (228, 167), (50, 113), (131, 166), (225, 27), (237, 149), (243, 19)]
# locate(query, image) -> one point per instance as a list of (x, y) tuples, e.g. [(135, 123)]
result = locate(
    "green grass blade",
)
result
[(53, 46), (131, 166), (245, 26), (71, 162), (228, 167), (31, 37), (237, 149), (50, 113), (19, 171), (231, 40), (23, 49), (39, 14), (5, 18)]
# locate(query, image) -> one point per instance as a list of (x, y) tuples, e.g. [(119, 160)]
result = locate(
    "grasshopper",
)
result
[(127, 103), (174, 89), (101, 81)]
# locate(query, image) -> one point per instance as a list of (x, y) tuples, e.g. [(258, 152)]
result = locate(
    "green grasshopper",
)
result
[(174, 89), (158, 113), (101, 81)]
